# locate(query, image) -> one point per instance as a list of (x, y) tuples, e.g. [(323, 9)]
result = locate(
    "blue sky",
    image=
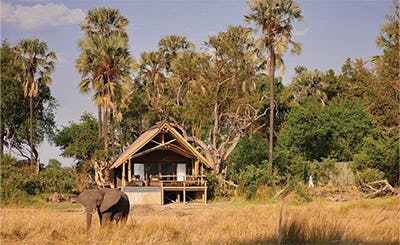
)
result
[(331, 32)]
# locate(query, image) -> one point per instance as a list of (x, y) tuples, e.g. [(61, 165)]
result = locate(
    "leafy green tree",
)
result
[(346, 123), (37, 63), (302, 132), (275, 20), (81, 142), (386, 89), (15, 115), (55, 178), (13, 112), (224, 103), (313, 132), (249, 151), (381, 153)]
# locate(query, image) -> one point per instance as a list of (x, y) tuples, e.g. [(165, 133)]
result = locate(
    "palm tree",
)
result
[(309, 84), (105, 64), (170, 45), (151, 73), (37, 63), (274, 17)]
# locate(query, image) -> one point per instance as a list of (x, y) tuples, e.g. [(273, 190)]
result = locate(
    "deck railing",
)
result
[(171, 180)]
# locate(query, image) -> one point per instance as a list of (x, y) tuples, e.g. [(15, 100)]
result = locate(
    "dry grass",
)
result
[(323, 222)]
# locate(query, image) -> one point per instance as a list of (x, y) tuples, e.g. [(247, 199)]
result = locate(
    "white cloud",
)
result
[(40, 16), (301, 32)]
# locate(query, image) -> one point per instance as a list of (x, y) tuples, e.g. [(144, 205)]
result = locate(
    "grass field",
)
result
[(320, 222)]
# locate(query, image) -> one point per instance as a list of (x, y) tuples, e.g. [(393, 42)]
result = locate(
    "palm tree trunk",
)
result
[(271, 108), (1, 140), (105, 129), (112, 132), (31, 130), (100, 123)]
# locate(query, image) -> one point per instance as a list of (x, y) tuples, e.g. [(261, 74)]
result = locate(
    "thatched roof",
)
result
[(150, 134)]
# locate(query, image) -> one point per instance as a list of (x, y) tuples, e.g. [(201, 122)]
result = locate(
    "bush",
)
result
[(380, 153), (54, 178), (216, 190), (369, 175), (251, 179), (19, 185), (322, 171)]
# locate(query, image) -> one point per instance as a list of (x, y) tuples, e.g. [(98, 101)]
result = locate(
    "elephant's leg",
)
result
[(107, 218), (88, 219), (100, 217), (120, 216)]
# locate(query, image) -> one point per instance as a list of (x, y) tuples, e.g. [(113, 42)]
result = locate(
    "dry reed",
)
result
[(216, 223)]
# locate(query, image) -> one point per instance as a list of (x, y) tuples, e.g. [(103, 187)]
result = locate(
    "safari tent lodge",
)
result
[(161, 167)]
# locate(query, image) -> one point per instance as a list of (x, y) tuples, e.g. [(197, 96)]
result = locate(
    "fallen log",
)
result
[(379, 188)]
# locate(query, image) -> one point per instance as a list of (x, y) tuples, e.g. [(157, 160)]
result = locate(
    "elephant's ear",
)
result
[(90, 199), (111, 197)]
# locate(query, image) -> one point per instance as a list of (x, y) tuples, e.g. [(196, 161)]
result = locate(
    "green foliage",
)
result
[(346, 124), (80, 141), (249, 151), (54, 178), (368, 175), (322, 171), (380, 153), (14, 123), (317, 131), (251, 178), (294, 185), (19, 185), (216, 190)]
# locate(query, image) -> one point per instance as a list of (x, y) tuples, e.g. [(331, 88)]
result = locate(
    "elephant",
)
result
[(110, 204)]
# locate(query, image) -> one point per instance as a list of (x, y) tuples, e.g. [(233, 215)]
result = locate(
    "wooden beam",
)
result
[(181, 151), (153, 149)]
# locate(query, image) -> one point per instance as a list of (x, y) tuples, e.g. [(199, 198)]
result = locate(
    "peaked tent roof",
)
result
[(148, 135)]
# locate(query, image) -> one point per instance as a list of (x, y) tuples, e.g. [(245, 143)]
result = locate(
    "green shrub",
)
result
[(322, 171), (251, 179), (369, 175), (380, 153)]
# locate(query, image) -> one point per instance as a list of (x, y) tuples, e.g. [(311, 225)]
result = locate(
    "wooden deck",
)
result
[(171, 188)]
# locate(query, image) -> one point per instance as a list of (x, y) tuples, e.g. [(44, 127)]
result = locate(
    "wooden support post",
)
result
[(129, 170), (196, 167), (162, 194), (184, 193), (205, 194), (123, 175)]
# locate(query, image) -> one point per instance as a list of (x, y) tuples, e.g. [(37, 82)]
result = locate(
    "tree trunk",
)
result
[(105, 129), (100, 123), (271, 108), (112, 132), (1, 140), (31, 130)]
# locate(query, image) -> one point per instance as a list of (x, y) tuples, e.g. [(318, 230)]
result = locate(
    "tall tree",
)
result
[(105, 61), (275, 18), (222, 102), (37, 63), (387, 87), (171, 45), (106, 64)]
